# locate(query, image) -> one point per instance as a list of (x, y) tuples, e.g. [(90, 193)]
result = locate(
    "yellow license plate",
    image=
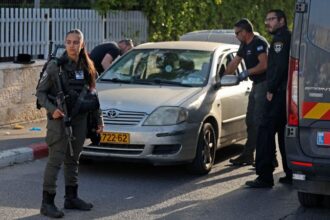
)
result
[(116, 138)]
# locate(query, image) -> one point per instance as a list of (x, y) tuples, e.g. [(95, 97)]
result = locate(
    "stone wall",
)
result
[(17, 92)]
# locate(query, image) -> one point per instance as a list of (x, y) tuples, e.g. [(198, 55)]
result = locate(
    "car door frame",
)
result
[(233, 124)]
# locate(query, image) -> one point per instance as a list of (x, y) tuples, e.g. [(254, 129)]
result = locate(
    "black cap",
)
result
[(23, 58)]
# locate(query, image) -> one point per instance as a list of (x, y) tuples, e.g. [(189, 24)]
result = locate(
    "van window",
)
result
[(319, 25)]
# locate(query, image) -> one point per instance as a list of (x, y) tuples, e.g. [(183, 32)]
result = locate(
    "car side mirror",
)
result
[(229, 80)]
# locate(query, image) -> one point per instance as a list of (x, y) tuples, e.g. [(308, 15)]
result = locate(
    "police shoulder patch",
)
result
[(44, 76), (278, 46), (260, 48)]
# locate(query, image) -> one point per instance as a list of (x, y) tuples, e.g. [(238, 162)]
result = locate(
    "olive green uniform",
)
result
[(56, 138)]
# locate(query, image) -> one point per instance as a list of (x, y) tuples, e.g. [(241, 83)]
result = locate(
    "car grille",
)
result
[(117, 117), (132, 149)]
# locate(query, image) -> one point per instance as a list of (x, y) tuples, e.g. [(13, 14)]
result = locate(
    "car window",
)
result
[(186, 67), (319, 26), (225, 61)]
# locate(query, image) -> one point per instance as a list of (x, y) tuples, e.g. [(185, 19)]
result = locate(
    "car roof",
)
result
[(215, 35), (185, 45)]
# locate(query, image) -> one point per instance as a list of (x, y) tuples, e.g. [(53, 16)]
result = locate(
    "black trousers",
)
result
[(273, 121)]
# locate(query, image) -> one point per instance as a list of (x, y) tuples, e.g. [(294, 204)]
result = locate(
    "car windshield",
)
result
[(161, 66)]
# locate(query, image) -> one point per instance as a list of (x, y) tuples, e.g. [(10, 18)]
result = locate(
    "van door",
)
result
[(314, 80)]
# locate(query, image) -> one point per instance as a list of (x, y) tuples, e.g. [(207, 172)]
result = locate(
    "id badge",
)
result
[(79, 74)]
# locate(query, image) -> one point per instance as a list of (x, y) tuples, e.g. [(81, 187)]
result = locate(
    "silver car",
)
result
[(164, 103)]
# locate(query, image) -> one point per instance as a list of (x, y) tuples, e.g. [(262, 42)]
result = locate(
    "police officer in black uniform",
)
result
[(103, 55), (74, 75), (253, 50), (125, 45), (274, 118)]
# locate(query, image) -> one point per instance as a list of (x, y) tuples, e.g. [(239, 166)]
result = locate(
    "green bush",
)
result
[(168, 19)]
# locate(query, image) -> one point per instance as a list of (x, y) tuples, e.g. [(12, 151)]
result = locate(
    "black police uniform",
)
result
[(249, 53), (98, 53), (274, 118)]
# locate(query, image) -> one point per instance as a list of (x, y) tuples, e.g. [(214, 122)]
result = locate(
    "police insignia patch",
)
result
[(260, 48), (278, 47), (44, 76)]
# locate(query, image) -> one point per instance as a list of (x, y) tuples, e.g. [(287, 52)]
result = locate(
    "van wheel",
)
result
[(310, 199), (205, 152)]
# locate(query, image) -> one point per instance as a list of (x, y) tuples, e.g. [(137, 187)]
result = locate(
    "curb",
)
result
[(23, 154)]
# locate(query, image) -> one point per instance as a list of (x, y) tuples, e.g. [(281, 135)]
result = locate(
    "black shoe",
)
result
[(285, 180), (48, 207), (77, 203), (242, 160), (257, 183), (72, 201)]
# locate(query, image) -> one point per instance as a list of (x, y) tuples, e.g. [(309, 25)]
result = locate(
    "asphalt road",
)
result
[(141, 191)]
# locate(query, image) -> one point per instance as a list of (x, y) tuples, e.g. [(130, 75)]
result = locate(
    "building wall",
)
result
[(17, 88)]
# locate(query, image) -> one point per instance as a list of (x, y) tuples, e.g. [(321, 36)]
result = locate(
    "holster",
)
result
[(92, 126)]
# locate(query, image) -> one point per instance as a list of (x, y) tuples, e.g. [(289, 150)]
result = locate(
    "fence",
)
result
[(29, 30)]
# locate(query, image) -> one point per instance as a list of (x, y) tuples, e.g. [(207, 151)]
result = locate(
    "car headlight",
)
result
[(167, 116)]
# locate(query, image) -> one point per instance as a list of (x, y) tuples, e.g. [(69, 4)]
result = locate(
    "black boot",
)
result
[(48, 207), (242, 160), (73, 202)]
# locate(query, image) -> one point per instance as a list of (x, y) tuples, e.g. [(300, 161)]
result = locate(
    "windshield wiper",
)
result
[(116, 80), (169, 82), (141, 81)]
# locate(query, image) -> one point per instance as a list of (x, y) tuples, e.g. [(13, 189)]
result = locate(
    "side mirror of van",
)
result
[(229, 80)]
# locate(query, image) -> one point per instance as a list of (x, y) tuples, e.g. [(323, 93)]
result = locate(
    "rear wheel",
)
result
[(310, 199), (205, 152)]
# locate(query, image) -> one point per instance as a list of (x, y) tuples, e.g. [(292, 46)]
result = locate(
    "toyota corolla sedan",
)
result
[(164, 103)]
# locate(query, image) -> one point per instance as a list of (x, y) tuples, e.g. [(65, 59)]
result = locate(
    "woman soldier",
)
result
[(74, 71)]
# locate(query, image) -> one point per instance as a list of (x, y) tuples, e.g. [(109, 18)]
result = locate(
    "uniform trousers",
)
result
[(59, 152), (273, 121), (254, 115)]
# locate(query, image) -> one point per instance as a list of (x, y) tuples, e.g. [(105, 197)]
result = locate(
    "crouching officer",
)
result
[(274, 118), (63, 91)]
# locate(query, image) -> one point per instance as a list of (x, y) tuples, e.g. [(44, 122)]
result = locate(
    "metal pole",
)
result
[(36, 3)]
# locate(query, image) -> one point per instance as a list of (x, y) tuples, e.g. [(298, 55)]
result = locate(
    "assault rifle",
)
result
[(58, 51), (62, 105), (60, 96)]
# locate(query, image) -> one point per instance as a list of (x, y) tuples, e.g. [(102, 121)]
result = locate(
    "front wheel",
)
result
[(205, 152)]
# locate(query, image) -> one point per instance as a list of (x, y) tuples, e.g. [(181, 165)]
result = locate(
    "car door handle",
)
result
[(248, 90)]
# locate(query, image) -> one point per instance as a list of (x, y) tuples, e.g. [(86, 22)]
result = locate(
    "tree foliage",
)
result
[(255, 11), (168, 19)]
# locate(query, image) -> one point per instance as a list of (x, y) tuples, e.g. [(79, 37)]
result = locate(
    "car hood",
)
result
[(142, 98)]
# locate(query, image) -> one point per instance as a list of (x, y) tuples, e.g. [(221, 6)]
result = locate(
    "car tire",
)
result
[(205, 151), (310, 199)]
